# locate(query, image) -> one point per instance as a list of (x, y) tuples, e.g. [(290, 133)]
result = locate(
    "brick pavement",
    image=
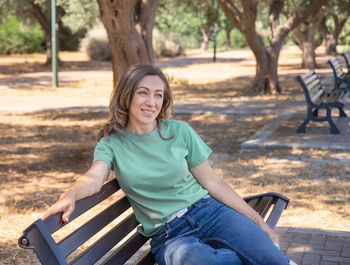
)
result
[(315, 247)]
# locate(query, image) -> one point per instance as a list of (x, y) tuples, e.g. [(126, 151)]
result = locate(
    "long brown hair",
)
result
[(123, 93)]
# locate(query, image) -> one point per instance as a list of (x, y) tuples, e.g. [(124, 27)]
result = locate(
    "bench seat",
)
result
[(121, 241)]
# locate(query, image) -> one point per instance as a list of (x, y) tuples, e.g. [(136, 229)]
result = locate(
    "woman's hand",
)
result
[(259, 221), (85, 186), (223, 192), (65, 204)]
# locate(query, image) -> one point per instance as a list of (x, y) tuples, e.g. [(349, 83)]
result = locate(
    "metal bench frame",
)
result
[(318, 98), (38, 236)]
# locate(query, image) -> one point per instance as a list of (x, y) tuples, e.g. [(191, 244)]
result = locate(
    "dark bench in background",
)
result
[(346, 56), (341, 79), (38, 236), (318, 98)]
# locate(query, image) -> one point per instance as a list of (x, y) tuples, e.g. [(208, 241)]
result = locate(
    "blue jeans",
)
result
[(212, 233)]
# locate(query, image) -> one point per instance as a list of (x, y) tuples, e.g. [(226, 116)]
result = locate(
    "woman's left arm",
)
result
[(223, 192)]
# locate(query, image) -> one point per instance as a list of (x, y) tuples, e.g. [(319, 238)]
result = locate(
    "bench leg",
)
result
[(341, 112), (334, 129), (302, 127)]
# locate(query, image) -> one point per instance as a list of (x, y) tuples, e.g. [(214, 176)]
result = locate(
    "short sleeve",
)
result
[(198, 150), (104, 152)]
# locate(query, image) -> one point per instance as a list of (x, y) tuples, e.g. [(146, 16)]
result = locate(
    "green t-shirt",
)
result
[(154, 173)]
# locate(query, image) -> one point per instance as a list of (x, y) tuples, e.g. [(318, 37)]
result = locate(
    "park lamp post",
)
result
[(215, 29), (54, 44), (215, 35)]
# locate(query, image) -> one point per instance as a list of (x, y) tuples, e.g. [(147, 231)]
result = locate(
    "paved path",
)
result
[(312, 247)]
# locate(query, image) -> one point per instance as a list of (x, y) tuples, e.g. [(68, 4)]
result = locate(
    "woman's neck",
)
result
[(141, 129)]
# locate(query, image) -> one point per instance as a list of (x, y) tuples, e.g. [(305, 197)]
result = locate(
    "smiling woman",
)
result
[(192, 215)]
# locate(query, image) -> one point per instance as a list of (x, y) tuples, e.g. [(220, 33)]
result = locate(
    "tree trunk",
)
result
[(228, 37), (331, 39), (330, 43), (306, 39), (205, 38), (266, 78), (37, 14), (129, 25)]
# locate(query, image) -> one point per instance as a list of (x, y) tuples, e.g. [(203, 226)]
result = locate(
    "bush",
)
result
[(344, 38), (237, 39), (95, 43), (165, 46), (15, 37)]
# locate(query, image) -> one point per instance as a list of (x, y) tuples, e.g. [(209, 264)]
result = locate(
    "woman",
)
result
[(192, 215)]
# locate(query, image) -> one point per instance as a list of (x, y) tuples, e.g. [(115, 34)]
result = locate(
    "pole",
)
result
[(215, 34), (54, 44), (215, 29)]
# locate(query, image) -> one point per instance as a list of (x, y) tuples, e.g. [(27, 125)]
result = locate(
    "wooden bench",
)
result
[(341, 79), (346, 56), (110, 248), (318, 98)]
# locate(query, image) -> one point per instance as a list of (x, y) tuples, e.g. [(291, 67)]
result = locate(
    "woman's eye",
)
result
[(159, 95), (142, 92)]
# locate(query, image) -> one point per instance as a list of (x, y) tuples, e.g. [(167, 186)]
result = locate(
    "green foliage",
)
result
[(73, 16), (79, 14), (16, 37), (186, 29), (237, 39), (344, 38)]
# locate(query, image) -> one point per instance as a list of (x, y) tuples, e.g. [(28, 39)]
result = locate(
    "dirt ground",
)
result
[(42, 152)]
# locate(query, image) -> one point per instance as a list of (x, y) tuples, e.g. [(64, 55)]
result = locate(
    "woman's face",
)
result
[(146, 104)]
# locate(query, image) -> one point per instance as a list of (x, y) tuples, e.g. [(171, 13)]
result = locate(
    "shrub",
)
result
[(95, 43), (237, 39), (15, 37), (165, 46)]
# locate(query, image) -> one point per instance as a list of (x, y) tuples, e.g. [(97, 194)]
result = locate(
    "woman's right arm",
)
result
[(85, 186)]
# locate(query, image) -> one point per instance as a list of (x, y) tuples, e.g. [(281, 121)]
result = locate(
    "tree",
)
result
[(305, 37), (336, 15), (197, 17), (129, 25), (40, 11), (243, 14)]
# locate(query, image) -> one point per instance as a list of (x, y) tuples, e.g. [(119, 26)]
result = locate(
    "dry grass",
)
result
[(42, 152)]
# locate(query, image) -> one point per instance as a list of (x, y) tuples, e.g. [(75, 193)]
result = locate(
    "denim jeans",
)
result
[(212, 233)]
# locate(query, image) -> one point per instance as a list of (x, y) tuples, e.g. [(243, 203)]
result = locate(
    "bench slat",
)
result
[(127, 250), (274, 216), (93, 226), (55, 222), (264, 205), (147, 259), (107, 242), (346, 56)]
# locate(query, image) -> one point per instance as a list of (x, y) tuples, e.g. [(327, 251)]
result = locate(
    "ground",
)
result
[(42, 152)]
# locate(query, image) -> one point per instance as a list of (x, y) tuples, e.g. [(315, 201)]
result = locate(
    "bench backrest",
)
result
[(346, 56), (336, 67), (312, 87), (121, 241)]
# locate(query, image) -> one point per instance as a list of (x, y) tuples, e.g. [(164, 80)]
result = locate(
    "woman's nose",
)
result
[(150, 101)]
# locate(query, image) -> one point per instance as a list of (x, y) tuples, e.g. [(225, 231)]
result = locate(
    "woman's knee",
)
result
[(193, 251)]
